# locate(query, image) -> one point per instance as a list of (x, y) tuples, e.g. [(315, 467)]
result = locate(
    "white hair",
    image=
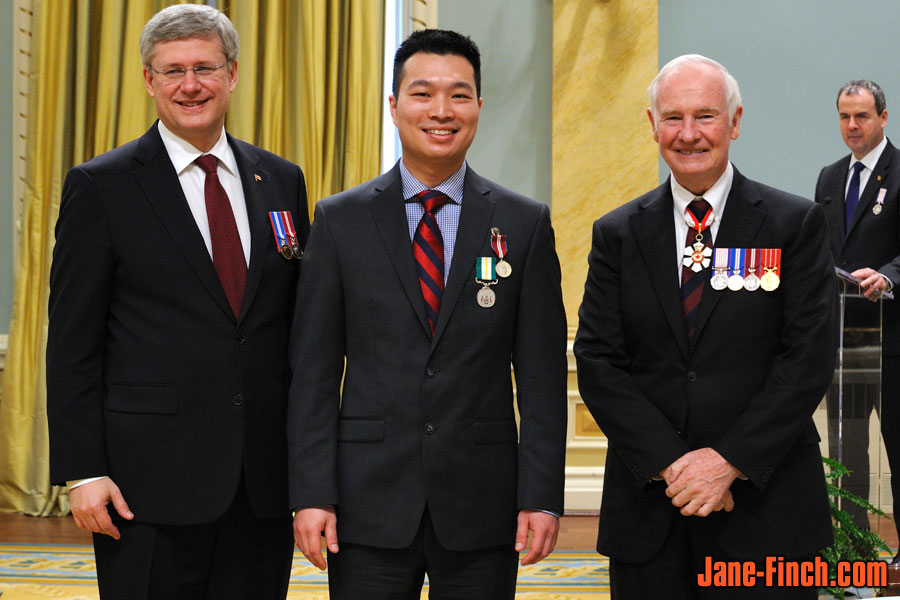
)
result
[(732, 91)]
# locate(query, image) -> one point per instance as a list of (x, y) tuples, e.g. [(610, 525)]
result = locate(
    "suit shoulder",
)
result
[(619, 216), (117, 159), (269, 158), (352, 198)]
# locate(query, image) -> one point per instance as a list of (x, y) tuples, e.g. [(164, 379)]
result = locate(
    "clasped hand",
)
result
[(699, 483)]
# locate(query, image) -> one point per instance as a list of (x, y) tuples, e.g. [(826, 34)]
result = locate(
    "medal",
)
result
[(486, 297), (696, 256), (879, 202), (771, 263), (498, 243), (751, 281), (719, 279), (736, 266), (285, 235), (486, 275)]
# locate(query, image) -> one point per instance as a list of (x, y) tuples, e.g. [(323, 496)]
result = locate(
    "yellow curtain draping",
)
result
[(315, 96), (309, 90)]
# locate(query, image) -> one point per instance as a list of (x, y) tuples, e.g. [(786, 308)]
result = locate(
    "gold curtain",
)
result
[(309, 89), (309, 86)]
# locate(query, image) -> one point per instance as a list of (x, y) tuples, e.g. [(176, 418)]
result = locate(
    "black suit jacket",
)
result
[(747, 386), (418, 419), (873, 240), (150, 378)]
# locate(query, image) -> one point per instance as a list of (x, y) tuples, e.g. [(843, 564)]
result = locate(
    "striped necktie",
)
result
[(692, 282), (428, 250), (227, 251)]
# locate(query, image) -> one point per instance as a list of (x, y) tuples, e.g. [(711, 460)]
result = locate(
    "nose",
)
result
[(441, 107), (190, 81), (853, 124), (688, 131)]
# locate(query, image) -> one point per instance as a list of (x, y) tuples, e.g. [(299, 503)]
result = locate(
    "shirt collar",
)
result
[(452, 186), (716, 195), (182, 153), (870, 159)]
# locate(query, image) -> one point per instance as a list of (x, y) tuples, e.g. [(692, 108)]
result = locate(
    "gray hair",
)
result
[(732, 91), (183, 21), (858, 85)]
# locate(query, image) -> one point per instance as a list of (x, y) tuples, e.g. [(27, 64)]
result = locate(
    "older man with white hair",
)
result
[(705, 343)]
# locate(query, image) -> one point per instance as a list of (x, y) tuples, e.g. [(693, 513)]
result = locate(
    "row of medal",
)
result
[(489, 268), (286, 240), (746, 269)]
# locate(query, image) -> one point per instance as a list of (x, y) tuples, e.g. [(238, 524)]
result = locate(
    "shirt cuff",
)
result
[(549, 512), (79, 482)]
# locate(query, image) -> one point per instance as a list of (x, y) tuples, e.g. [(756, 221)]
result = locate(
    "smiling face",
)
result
[(193, 109), (436, 113), (861, 126), (692, 127)]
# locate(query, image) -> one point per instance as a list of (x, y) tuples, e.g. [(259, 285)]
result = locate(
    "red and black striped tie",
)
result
[(692, 282), (428, 250)]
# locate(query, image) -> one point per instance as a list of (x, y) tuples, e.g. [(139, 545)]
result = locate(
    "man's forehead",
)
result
[(861, 96)]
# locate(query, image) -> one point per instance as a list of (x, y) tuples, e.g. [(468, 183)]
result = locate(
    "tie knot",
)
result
[(699, 207), (432, 199), (858, 167), (208, 163)]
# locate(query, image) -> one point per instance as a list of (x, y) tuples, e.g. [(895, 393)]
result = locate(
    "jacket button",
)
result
[(238, 400), (239, 338), (691, 376), (431, 371), (429, 428)]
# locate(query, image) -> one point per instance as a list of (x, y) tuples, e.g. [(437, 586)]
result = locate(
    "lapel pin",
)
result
[(878, 178), (257, 177)]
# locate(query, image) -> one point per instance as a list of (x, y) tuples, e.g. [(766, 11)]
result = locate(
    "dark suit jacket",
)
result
[(747, 387), (419, 419), (874, 240), (150, 379)]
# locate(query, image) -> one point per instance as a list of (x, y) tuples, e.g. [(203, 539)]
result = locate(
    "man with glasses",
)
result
[(172, 287)]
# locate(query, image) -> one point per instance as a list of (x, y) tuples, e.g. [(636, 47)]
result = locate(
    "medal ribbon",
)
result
[(498, 243), (288, 222), (486, 268), (720, 259), (278, 228), (752, 263), (772, 260), (739, 256), (702, 224)]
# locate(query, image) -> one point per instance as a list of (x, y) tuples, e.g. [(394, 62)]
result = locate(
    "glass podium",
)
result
[(848, 418)]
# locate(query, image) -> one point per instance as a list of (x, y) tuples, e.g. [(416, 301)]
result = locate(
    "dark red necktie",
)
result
[(227, 252), (428, 250), (692, 282)]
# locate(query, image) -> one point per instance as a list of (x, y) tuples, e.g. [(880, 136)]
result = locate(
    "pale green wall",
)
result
[(513, 144), (6, 164), (790, 59)]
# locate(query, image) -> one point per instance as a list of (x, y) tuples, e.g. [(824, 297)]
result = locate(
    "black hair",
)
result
[(437, 41)]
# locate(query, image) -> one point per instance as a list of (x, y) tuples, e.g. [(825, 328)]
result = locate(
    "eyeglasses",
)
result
[(172, 75)]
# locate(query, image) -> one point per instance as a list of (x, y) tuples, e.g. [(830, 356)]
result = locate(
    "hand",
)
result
[(88, 503), (699, 483), (871, 282), (309, 523), (544, 527)]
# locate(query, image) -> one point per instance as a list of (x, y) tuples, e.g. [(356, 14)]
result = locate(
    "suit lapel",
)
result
[(474, 225), (740, 223), (157, 178), (655, 234), (876, 181), (390, 220), (254, 182)]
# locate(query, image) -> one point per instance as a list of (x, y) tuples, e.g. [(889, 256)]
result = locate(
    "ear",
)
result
[(653, 125), (148, 82), (883, 118), (232, 76), (736, 122), (392, 102)]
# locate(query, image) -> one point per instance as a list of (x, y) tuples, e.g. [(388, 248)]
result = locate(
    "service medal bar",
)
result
[(719, 279), (736, 268), (879, 202), (771, 264), (498, 243), (485, 268), (751, 280), (286, 242)]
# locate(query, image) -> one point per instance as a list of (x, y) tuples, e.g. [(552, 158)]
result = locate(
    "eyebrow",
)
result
[(426, 83)]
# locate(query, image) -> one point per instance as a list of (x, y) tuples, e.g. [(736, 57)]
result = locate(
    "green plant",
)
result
[(850, 542)]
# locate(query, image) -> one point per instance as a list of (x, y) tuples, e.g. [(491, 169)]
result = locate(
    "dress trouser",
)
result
[(236, 557), (358, 571)]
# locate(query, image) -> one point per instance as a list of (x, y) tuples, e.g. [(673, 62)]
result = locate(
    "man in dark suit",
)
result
[(706, 392), (418, 289), (860, 196), (170, 311)]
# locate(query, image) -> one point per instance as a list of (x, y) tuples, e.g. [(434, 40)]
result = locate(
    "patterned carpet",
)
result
[(33, 572)]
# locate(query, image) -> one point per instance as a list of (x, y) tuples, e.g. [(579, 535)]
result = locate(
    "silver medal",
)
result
[(486, 297), (751, 282), (719, 281)]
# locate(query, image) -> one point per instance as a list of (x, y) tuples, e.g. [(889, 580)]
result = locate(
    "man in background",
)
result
[(860, 196), (171, 291), (420, 289), (705, 343)]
